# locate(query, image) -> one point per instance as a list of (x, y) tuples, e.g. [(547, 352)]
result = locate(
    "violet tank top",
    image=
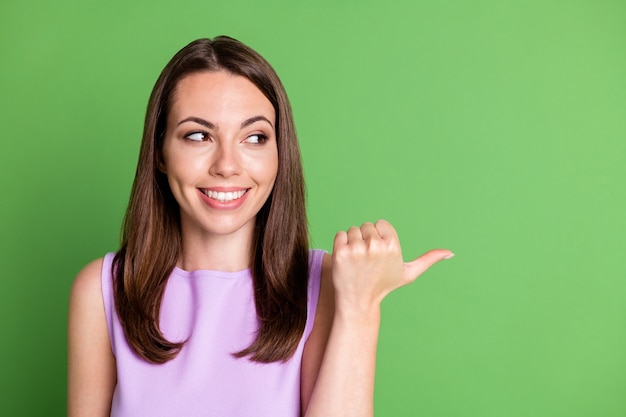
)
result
[(215, 311)]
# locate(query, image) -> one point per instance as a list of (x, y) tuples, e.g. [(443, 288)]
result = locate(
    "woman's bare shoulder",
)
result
[(327, 265), (326, 302), (91, 364), (88, 281)]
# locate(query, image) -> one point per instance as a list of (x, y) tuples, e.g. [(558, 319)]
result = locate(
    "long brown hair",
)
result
[(151, 236)]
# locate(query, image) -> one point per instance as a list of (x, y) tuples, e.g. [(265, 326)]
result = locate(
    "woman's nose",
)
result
[(225, 162)]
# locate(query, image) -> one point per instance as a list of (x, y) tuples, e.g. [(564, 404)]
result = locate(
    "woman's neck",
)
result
[(227, 253)]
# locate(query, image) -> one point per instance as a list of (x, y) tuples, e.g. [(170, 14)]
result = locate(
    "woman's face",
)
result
[(220, 153)]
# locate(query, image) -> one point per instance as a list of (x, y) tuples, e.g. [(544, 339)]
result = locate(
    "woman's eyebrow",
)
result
[(254, 119), (198, 120)]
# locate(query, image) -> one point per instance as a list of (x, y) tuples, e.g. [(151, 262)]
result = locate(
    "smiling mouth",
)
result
[(225, 197)]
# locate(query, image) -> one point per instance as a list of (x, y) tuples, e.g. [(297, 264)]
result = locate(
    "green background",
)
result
[(494, 128)]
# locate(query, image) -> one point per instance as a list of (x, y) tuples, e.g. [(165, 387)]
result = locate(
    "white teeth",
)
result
[(224, 197)]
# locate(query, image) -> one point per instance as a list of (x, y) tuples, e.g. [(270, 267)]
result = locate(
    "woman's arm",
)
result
[(339, 359), (91, 364)]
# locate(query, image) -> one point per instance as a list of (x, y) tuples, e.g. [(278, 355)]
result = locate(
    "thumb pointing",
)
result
[(418, 266)]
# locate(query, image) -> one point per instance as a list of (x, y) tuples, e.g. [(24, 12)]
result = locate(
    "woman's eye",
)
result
[(196, 136), (257, 139)]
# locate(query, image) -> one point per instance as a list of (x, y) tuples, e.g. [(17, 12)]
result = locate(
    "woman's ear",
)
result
[(160, 163)]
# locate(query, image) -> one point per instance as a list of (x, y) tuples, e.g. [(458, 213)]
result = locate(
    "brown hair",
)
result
[(151, 236)]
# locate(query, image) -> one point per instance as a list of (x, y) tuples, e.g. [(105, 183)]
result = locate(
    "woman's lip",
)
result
[(224, 189), (224, 198)]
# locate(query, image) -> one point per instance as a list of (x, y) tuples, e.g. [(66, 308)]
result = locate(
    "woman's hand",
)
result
[(339, 360), (368, 265)]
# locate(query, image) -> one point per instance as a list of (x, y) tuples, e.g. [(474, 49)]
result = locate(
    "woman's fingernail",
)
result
[(449, 256)]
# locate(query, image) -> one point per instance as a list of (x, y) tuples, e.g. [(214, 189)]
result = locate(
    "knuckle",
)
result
[(374, 244), (341, 252)]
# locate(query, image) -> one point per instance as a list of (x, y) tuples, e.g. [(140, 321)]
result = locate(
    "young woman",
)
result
[(214, 305)]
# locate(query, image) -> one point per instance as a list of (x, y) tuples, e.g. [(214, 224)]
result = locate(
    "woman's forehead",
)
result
[(219, 93)]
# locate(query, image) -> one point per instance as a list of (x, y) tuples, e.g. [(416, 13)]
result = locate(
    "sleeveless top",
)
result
[(215, 312)]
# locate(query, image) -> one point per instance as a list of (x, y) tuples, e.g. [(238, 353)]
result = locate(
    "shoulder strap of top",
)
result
[(316, 257), (107, 296)]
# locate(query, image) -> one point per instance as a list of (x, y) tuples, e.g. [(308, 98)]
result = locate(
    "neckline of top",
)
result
[(211, 273)]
